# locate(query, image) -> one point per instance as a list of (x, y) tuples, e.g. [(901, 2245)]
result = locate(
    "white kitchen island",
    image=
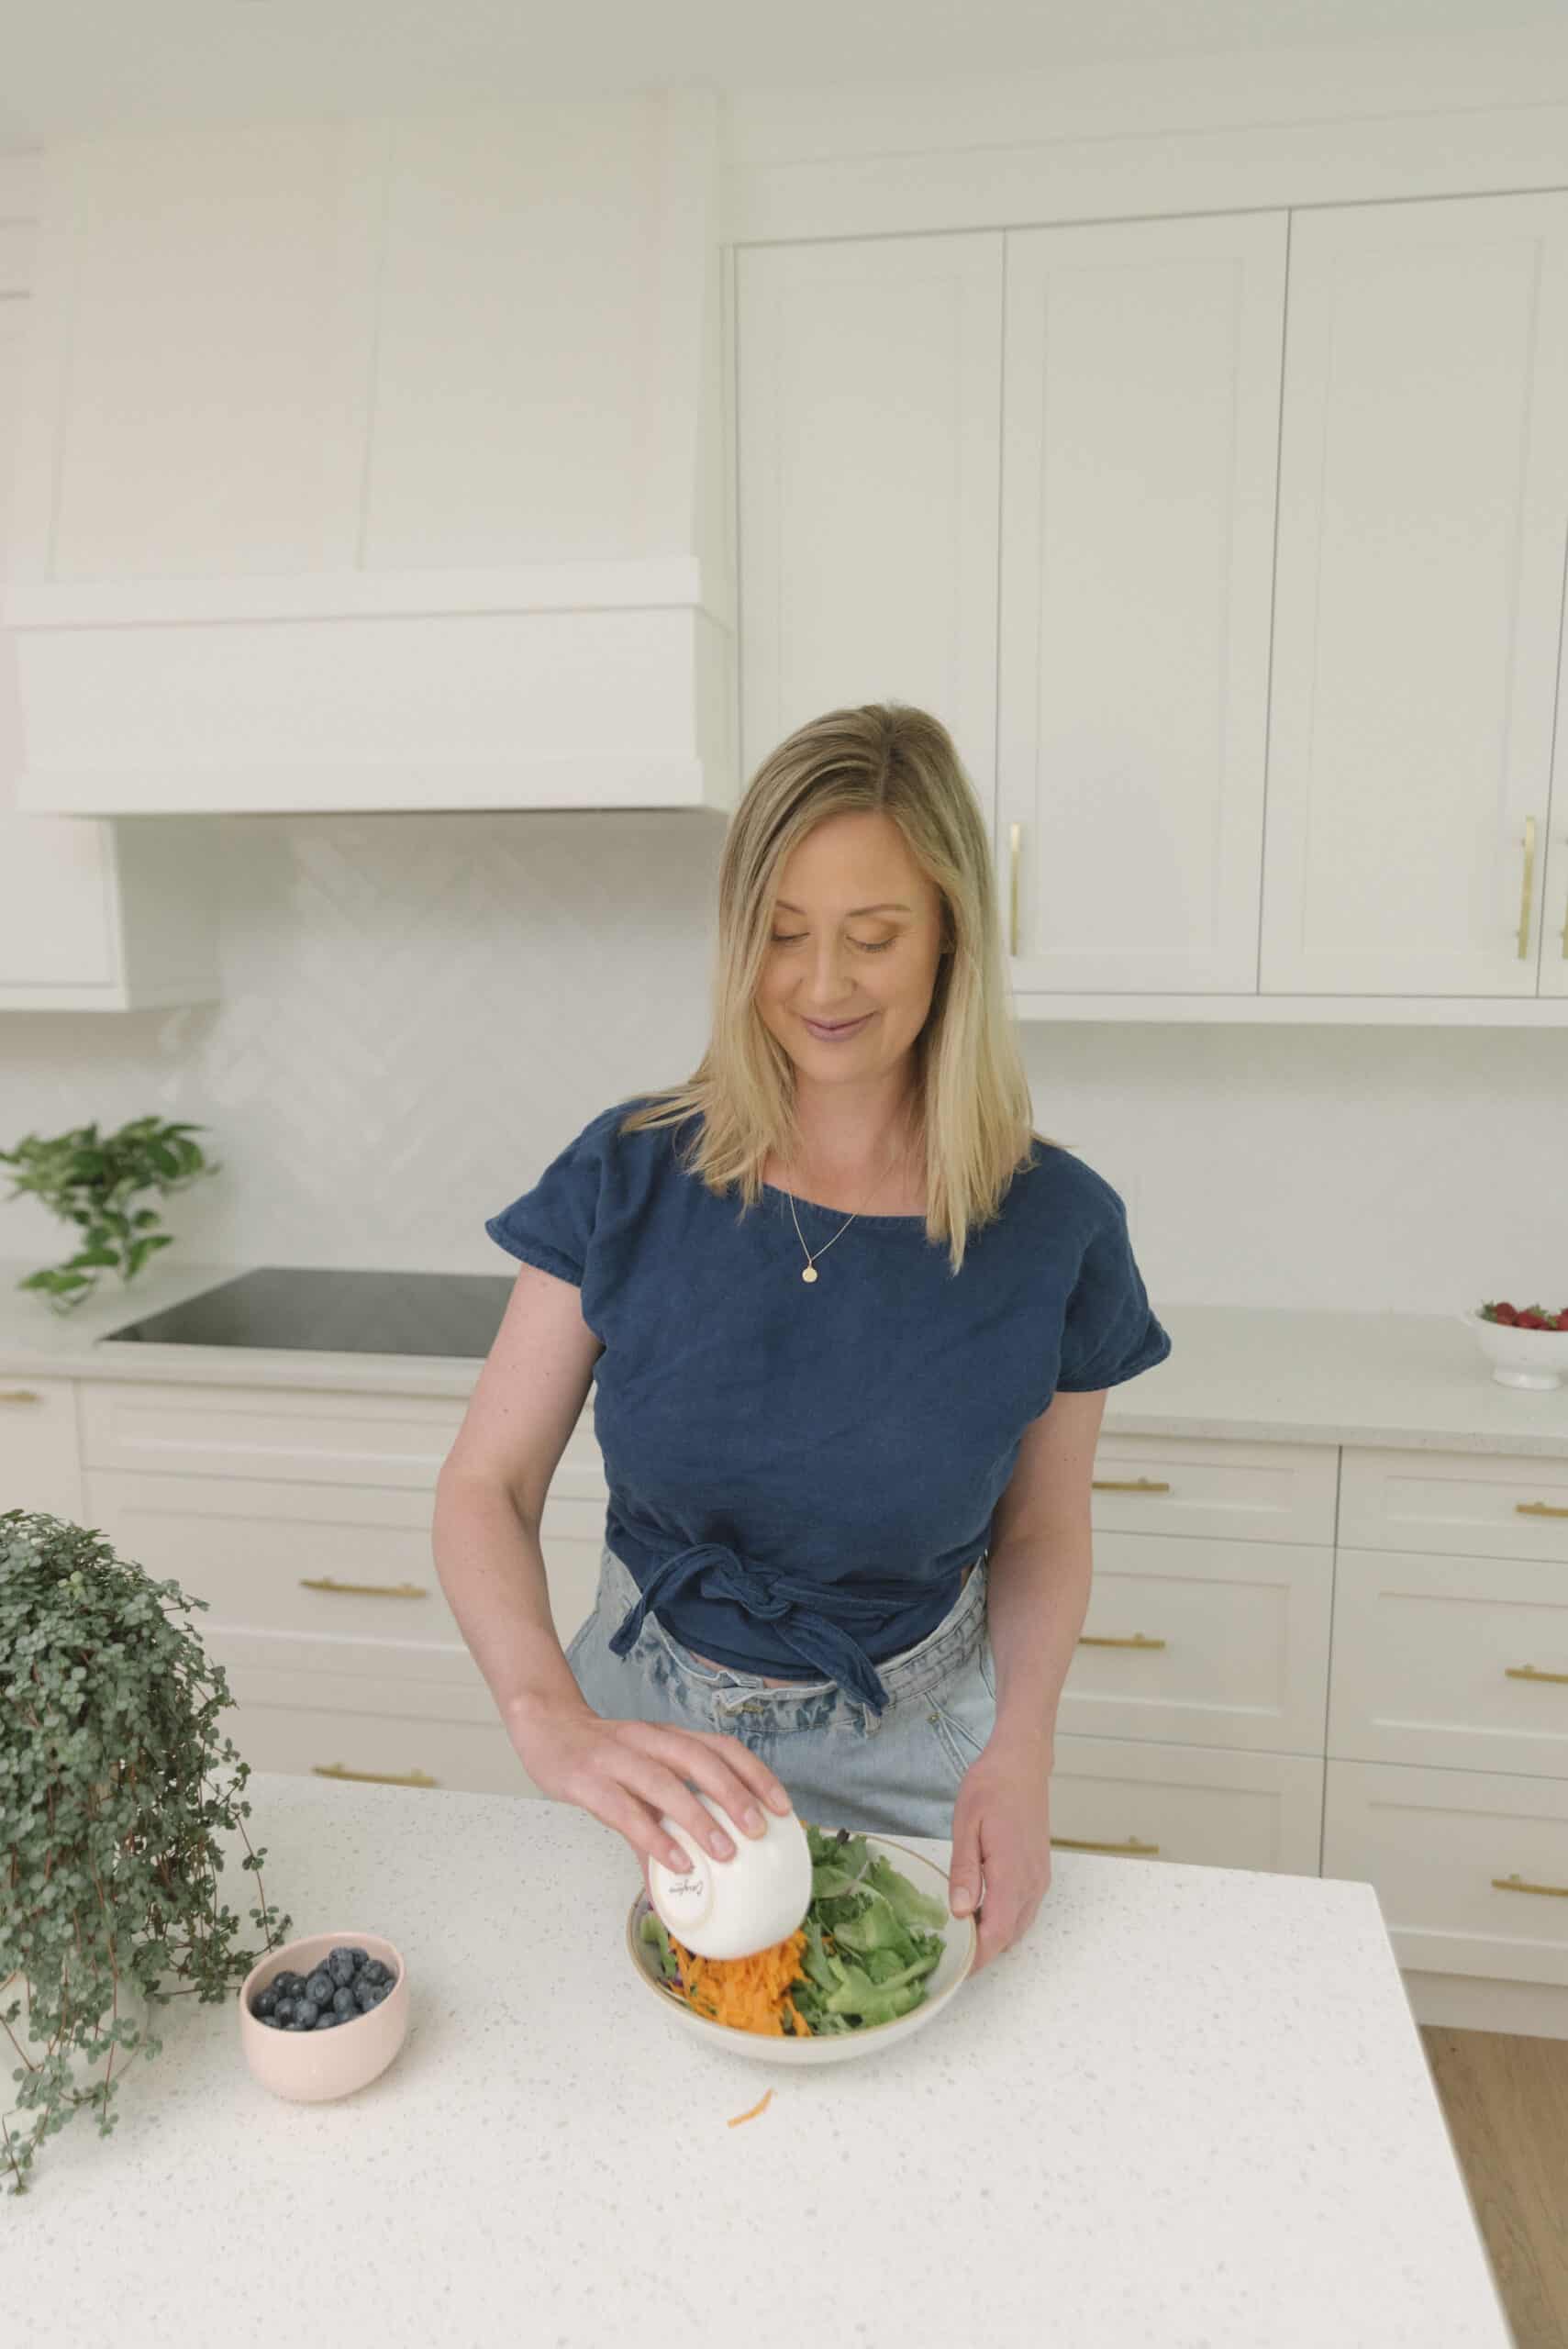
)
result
[(1191, 2110)]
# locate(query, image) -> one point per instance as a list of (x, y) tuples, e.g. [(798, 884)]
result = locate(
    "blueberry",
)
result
[(287, 1985), (365, 1995), (373, 1970), (273, 2023), (326, 2019), (305, 2012), (263, 2002), (343, 2002), (319, 1989), (359, 1956), (284, 2011), (294, 2026), (340, 1967)]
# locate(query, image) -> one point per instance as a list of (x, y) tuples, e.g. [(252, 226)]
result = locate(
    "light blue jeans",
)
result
[(894, 1773)]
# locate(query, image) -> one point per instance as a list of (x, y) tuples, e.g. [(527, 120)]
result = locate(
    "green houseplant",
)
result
[(90, 1179), (115, 1776)]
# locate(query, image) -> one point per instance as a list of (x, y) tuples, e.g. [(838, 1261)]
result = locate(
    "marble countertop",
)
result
[(1265, 1372), (1190, 2108)]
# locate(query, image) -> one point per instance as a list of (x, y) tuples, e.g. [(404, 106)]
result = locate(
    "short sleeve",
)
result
[(1109, 1332), (553, 1225)]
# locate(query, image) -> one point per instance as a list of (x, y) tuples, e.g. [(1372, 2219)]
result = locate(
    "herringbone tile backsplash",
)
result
[(419, 1010)]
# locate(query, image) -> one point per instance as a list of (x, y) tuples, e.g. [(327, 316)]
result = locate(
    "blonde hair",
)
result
[(971, 1107)]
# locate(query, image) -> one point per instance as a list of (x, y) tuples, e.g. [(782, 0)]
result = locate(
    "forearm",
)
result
[(1036, 1597), (489, 1563)]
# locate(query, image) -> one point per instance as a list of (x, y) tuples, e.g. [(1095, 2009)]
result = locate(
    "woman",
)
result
[(847, 1548)]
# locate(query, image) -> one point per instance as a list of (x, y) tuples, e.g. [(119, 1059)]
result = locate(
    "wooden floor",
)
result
[(1506, 2101)]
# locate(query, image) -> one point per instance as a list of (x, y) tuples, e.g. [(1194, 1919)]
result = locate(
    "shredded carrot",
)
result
[(748, 1993), (752, 2114)]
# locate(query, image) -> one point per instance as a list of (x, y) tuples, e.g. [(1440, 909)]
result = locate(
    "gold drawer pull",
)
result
[(372, 1777), (1104, 1640), (21, 1395), (1528, 886), (1136, 1485), (1518, 1883), (1530, 1671), (364, 1589), (1132, 1848), (1538, 1509)]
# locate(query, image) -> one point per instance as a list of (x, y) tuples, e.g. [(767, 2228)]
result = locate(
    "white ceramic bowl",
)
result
[(733, 1908), (311, 2067), (1533, 1358), (959, 1943)]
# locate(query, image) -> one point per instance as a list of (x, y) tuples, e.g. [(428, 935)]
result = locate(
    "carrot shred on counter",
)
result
[(748, 1993), (761, 2107)]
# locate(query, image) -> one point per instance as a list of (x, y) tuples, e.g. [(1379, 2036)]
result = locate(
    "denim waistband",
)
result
[(913, 1673)]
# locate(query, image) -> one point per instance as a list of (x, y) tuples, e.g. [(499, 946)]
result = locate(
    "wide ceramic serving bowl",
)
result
[(959, 1939), (1531, 1358), (311, 2067)]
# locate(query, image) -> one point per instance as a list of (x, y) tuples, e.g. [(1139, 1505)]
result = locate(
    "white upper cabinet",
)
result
[(1418, 602), (1141, 409), (93, 916), (868, 402)]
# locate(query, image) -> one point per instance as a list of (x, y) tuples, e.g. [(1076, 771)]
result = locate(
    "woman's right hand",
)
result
[(627, 1773)]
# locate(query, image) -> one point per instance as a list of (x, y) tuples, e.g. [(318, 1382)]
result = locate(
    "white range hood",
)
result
[(379, 465)]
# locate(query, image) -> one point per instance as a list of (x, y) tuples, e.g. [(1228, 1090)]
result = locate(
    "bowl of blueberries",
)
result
[(321, 2016)]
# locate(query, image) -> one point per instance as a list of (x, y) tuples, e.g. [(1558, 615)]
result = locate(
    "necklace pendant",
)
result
[(809, 1273)]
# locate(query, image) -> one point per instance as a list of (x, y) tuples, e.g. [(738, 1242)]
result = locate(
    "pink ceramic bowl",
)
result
[(312, 2066)]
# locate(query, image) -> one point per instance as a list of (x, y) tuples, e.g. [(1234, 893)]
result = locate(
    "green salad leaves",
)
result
[(871, 1939)]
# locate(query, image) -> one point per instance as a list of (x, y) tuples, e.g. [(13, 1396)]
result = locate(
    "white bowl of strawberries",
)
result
[(1526, 1345)]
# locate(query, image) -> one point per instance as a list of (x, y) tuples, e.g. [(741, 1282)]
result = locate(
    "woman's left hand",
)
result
[(1001, 1844)]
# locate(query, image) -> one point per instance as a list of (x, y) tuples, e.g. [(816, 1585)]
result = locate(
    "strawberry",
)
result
[(1504, 1313), (1530, 1319)]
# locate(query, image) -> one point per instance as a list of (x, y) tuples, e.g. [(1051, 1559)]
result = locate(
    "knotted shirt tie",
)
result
[(772, 1598)]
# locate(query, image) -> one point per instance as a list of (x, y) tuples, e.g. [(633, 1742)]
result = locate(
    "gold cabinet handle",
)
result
[(1104, 1640), (1538, 1509), (21, 1395), (1015, 842), (1132, 1848), (1529, 887), (1132, 1484), (1532, 1672), (372, 1777), (1518, 1883), (364, 1589)]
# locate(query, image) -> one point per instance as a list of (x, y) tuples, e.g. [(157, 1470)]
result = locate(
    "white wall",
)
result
[(418, 1010)]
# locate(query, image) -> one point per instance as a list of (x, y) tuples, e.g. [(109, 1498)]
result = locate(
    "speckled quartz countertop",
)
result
[(1191, 2109), (1254, 1372)]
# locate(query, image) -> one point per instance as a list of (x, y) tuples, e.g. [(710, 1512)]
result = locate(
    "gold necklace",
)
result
[(810, 1272)]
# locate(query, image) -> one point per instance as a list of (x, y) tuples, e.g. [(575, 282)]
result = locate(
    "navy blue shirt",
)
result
[(799, 1473)]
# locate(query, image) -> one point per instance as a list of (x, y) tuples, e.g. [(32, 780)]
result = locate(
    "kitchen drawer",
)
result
[(300, 1434), (40, 1469), (1470, 1867), (1207, 1643), (1203, 1805), (1241, 1492), (1461, 1663), (252, 1549), (1480, 1504), (306, 1739)]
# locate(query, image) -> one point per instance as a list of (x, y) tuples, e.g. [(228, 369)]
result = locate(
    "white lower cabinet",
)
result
[(1470, 1867), (1196, 1804), (302, 1519), (41, 1469), (1244, 1693)]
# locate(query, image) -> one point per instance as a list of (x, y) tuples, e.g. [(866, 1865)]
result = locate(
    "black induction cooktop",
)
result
[(335, 1311)]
